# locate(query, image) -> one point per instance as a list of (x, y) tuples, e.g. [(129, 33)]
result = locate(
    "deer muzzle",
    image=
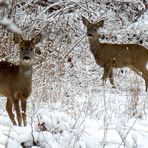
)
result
[(26, 58)]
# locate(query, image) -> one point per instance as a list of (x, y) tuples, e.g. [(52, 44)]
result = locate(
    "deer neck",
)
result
[(26, 71), (94, 42)]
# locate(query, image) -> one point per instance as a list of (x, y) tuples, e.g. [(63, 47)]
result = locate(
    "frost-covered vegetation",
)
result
[(69, 107)]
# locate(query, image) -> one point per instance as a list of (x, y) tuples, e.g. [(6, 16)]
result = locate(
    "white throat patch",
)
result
[(27, 73)]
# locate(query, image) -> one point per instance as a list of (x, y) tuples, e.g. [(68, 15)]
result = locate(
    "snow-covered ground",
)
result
[(95, 116)]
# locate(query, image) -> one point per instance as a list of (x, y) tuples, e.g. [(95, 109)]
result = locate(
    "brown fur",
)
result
[(16, 80), (111, 56)]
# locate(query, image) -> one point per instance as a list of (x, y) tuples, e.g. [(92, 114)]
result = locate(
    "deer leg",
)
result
[(23, 105), (18, 113), (146, 81), (146, 85), (145, 77), (107, 70), (111, 79), (9, 105), (142, 71)]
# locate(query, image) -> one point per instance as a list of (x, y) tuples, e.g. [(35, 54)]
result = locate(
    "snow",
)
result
[(88, 133), (58, 129), (9, 24)]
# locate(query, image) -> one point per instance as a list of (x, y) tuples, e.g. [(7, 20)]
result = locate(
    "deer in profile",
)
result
[(111, 56), (16, 80)]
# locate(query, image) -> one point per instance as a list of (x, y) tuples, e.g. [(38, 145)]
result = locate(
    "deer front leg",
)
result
[(18, 113), (111, 79), (23, 105), (107, 70), (9, 105)]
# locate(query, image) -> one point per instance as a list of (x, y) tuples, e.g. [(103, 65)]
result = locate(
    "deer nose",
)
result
[(89, 34), (26, 58)]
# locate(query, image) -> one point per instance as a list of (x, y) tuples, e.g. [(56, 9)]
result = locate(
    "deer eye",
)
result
[(22, 48), (31, 49)]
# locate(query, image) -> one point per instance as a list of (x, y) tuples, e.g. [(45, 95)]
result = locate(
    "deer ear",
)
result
[(85, 21), (100, 23), (36, 39), (17, 38), (38, 51)]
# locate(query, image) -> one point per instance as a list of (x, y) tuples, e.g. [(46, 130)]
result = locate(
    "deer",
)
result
[(112, 55), (16, 80)]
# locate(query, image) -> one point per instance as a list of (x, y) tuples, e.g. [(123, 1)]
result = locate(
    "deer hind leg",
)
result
[(146, 85), (143, 72), (18, 113), (23, 105), (9, 106)]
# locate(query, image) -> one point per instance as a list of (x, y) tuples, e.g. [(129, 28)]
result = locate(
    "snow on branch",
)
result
[(9, 25)]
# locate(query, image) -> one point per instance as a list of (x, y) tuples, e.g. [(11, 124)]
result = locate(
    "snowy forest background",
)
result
[(69, 107)]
